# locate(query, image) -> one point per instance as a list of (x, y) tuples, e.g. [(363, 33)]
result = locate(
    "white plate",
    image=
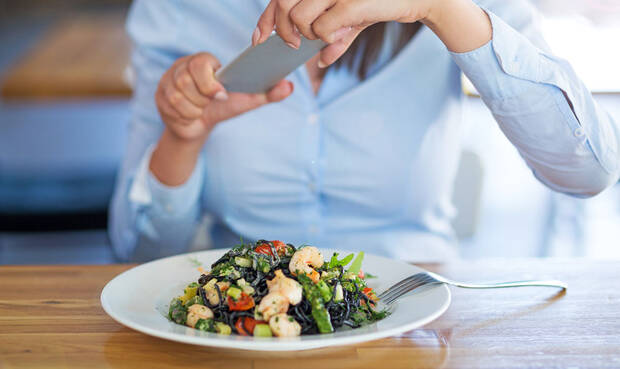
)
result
[(139, 298)]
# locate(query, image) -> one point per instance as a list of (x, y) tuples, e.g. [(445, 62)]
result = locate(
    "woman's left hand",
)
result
[(339, 22)]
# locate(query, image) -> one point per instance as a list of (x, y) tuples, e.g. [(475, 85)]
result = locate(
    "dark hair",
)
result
[(368, 45)]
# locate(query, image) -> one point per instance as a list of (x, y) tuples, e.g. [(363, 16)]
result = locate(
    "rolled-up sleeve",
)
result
[(544, 109), (148, 219)]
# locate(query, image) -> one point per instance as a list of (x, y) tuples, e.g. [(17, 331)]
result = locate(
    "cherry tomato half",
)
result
[(370, 293), (239, 327), (280, 247), (264, 248), (245, 302)]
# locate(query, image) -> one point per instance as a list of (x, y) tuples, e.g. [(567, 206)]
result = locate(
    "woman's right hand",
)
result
[(191, 101)]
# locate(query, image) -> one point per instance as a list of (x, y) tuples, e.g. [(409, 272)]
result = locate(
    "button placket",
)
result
[(313, 214)]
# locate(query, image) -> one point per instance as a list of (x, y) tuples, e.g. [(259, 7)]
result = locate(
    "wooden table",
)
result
[(50, 317), (83, 55)]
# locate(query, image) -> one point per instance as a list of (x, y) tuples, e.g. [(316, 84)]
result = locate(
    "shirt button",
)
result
[(312, 186), (169, 208), (313, 229), (313, 118), (579, 132)]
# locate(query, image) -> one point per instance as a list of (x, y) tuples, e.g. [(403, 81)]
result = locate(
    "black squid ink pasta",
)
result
[(270, 288)]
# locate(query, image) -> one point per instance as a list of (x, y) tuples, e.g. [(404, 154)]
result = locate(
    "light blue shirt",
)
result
[(363, 165)]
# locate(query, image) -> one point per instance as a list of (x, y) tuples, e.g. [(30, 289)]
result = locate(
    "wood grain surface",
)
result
[(80, 56), (50, 317)]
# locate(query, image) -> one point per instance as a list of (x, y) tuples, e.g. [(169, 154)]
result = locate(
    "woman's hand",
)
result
[(191, 102), (461, 24)]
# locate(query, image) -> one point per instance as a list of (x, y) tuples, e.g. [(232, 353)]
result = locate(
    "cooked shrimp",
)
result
[(273, 303), (286, 286), (304, 259), (283, 325), (196, 312)]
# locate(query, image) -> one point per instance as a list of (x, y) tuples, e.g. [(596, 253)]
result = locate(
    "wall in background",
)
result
[(13, 8)]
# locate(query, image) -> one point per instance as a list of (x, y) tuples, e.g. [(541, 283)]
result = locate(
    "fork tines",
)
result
[(405, 286)]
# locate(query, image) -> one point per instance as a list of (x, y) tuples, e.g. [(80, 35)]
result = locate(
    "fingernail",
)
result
[(221, 96), (292, 45), (321, 64), (255, 36), (339, 33)]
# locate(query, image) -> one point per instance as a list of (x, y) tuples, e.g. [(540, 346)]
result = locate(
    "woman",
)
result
[(362, 154)]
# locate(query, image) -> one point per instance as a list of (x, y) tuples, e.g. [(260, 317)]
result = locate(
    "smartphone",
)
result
[(261, 67)]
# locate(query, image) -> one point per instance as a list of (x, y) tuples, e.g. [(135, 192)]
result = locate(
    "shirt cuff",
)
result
[(512, 75), (163, 200)]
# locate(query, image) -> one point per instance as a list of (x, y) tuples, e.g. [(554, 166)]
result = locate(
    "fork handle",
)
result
[(531, 283)]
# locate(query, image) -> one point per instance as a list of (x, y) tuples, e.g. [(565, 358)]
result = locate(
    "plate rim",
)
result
[(259, 344)]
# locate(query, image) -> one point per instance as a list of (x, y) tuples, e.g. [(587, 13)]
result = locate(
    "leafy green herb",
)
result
[(348, 285), (226, 270), (193, 301), (334, 262), (216, 270), (359, 317), (177, 312), (206, 325), (378, 315), (263, 265), (195, 262)]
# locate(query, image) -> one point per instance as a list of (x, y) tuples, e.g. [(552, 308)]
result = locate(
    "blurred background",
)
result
[(65, 87)]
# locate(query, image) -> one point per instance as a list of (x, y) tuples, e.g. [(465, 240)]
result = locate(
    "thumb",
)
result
[(334, 51), (239, 103), (280, 91)]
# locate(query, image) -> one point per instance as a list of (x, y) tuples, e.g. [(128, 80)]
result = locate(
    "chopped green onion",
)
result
[(234, 293), (222, 328), (243, 262), (356, 266), (262, 330), (339, 295)]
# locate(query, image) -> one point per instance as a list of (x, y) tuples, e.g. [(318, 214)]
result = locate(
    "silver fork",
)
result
[(423, 279)]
